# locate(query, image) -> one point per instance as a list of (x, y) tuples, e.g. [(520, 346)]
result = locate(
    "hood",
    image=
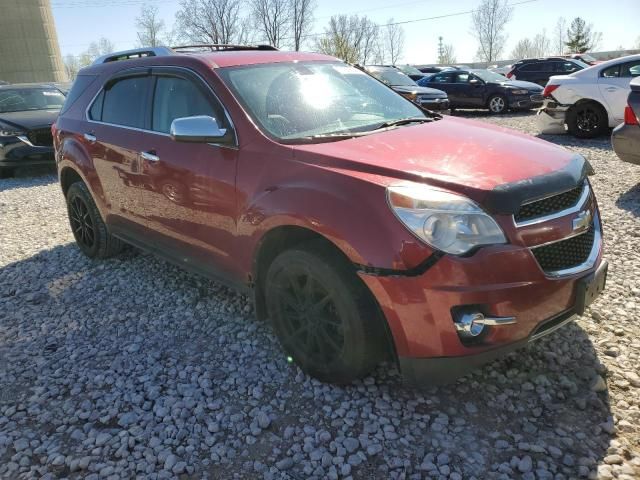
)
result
[(417, 89), (30, 119), (496, 167), (519, 84)]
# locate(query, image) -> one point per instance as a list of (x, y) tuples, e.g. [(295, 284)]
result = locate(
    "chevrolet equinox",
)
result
[(364, 227)]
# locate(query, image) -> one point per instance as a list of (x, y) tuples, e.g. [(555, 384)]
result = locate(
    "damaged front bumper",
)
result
[(551, 118)]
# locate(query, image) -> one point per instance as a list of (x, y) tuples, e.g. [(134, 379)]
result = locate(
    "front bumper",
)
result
[(625, 140), (15, 152), (551, 118), (436, 104), (500, 281), (525, 102)]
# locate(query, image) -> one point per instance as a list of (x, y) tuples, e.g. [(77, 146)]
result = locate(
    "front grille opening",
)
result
[(568, 253), (549, 205), (41, 137)]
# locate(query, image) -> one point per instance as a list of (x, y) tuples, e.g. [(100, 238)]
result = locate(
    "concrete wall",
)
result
[(29, 50)]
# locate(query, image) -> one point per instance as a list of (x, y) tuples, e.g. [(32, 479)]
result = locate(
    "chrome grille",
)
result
[(564, 254), (549, 205)]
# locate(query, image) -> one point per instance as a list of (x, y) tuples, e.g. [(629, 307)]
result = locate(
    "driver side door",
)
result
[(190, 199)]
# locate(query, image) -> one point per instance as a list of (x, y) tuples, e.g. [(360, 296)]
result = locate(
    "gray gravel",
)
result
[(132, 367)]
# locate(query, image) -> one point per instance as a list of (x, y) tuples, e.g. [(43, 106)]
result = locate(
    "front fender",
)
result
[(353, 214)]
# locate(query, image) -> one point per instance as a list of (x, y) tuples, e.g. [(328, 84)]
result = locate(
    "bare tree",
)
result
[(447, 55), (488, 23), (71, 66), (354, 39), (151, 28), (272, 18), (560, 36), (301, 20), (638, 43), (394, 40), (539, 46), (211, 21), (96, 49)]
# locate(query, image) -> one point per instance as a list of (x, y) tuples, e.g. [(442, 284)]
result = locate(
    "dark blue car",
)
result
[(477, 88)]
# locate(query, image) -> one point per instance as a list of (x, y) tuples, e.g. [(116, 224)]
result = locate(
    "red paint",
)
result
[(213, 206)]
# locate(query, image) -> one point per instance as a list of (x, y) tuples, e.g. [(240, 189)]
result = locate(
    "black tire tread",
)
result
[(108, 245)]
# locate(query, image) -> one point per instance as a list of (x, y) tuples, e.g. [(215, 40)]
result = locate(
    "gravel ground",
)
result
[(132, 367)]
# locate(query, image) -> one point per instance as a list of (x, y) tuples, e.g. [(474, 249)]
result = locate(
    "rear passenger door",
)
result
[(190, 196), (613, 83), (117, 119), (469, 94), (444, 81)]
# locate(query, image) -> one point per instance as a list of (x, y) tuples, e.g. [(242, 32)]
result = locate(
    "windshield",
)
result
[(489, 76), (585, 57), (24, 99), (392, 77), (409, 70), (581, 63), (298, 101)]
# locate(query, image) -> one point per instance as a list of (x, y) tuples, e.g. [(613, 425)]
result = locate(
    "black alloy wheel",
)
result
[(323, 316), (588, 120), (89, 230)]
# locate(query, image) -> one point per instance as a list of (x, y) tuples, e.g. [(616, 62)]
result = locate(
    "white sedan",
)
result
[(589, 101)]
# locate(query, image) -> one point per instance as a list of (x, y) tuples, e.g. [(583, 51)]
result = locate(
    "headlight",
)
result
[(446, 221), (519, 92), (10, 133)]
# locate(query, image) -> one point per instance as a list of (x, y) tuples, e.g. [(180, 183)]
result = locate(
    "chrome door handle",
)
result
[(90, 137), (150, 156), (612, 89)]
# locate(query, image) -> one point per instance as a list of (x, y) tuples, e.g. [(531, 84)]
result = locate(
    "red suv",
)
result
[(364, 227)]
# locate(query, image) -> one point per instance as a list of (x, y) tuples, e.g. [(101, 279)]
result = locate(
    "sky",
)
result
[(79, 22)]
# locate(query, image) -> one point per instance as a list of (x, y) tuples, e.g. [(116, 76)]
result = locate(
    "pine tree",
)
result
[(580, 38)]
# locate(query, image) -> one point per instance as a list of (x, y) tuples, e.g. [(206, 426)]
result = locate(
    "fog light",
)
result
[(470, 325)]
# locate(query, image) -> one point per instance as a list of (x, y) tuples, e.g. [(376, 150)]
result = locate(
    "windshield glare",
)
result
[(297, 101), (24, 99), (489, 76)]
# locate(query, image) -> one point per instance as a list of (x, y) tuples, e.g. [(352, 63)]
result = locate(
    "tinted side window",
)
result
[(611, 72), (441, 78), (530, 67), (177, 97), (462, 78), (630, 69), (95, 113), (566, 67), (124, 102), (80, 84)]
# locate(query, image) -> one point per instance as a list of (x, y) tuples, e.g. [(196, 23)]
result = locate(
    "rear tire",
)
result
[(587, 120), (497, 104), (90, 232), (323, 315), (6, 172)]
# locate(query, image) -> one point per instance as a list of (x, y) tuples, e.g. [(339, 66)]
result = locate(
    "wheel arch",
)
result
[(584, 101), (285, 237)]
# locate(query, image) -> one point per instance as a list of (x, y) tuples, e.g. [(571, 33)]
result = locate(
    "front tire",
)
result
[(587, 120), (323, 315), (497, 104), (89, 231)]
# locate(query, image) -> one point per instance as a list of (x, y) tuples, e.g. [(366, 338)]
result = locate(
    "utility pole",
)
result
[(440, 49)]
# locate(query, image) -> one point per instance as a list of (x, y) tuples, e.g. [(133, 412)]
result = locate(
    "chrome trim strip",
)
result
[(226, 113), (591, 259), (552, 216), (496, 321), (570, 318), (24, 139)]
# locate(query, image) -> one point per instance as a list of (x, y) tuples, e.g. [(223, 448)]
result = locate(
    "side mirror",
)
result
[(474, 81), (199, 129)]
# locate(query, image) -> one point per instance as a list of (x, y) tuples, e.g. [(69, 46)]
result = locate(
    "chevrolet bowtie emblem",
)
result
[(582, 221)]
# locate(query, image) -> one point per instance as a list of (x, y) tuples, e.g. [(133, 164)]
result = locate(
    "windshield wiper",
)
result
[(403, 121)]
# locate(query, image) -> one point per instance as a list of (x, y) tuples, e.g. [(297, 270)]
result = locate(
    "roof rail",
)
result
[(220, 47), (135, 53)]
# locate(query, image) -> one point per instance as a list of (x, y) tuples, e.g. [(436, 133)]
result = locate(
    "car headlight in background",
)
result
[(519, 92), (5, 132), (446, 221)]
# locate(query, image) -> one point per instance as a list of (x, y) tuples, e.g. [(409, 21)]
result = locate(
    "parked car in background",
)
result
[(589, 101), (26, 114), (539, 70), (364, 227), (583, 57), (431, 69), (412, 72), (500, 70), (429, 98), (626, 136), (484, 89)]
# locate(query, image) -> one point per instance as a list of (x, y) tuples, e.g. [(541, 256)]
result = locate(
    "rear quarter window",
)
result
[(80, 85)]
